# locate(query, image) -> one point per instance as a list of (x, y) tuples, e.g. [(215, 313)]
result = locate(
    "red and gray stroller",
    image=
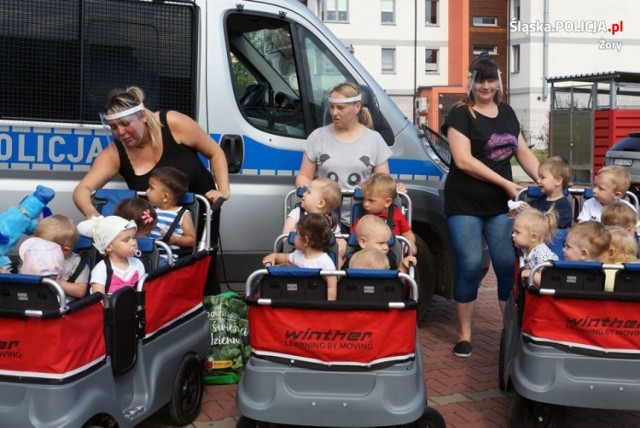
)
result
[(575, 341), (351, 362)]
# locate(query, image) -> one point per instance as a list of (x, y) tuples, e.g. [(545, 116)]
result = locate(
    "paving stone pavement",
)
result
[(464, 390)]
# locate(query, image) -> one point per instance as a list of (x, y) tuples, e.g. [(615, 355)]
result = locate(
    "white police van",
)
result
[(253, 73)]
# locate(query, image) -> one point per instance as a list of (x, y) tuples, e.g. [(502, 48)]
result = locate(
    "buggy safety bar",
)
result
[(288, 206), (167, 249), (534, 191), (360, 273), (62, 297), (608, 292)]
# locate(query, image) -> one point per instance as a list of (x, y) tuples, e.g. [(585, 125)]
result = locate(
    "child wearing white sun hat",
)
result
[(115, 238)]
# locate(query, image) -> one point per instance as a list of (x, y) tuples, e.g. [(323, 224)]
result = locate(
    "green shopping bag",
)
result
[(229, 332)]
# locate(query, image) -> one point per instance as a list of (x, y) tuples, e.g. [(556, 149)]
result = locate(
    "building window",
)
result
[(515, 10), (515, 58), (335, 10), (430, 12), (388, 60), (387, 11), (490, 49), (431, 60), (485, 21)]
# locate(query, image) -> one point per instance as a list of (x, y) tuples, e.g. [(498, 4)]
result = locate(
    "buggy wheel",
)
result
[(426, 276), (186, 395), (245, 422), (431, 418), (528, 413), (502, 384), (101, 420)]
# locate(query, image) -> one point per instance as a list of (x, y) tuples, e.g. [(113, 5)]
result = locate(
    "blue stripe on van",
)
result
[(262, 159)]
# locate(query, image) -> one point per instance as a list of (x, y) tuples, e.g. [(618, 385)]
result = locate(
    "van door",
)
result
[(270, 96)]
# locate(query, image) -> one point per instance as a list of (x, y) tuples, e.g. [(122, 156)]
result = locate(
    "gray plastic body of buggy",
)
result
[(278, 393), (283, 394), (128, 398), (550, 375)]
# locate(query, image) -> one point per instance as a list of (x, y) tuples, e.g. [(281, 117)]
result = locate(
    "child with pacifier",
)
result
[(114, 238)]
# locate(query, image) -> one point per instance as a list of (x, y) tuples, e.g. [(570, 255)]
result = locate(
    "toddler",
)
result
[(532, 231), (41, 257), (115, 238), (587, 241), (323, 196), (167, 186), (369, 258), (623, 248), (620, 214), (139, 210), (373, 232), (62, 230), (313, 235), (611, 184), (554, 175), (379, 191)]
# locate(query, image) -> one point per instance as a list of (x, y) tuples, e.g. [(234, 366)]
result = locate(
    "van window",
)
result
[(281, 73), (60, 58)]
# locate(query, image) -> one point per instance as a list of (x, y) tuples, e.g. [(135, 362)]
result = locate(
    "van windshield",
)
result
[(280, 73)]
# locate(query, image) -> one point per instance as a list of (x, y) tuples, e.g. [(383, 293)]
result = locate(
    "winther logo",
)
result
[(329, 339), (331, 335), (606, 322), (10, 349)]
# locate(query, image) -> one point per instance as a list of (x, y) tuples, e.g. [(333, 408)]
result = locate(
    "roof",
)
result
[(618, 76)]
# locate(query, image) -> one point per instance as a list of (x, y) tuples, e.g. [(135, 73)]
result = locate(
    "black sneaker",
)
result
[(462, 349)]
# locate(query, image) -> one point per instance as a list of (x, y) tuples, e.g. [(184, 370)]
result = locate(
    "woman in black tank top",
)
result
[(144, 140)]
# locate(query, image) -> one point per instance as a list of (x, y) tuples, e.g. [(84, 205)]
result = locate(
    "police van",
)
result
[(253, 73)]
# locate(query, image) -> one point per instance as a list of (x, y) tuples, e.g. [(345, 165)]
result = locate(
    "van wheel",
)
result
[(528, 413), (425, 276), (186, 395)]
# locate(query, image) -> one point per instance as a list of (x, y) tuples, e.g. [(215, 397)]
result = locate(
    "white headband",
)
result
[(123, 113), (345, 100)]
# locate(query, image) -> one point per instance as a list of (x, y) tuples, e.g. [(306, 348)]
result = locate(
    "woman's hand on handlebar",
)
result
[(213, 195), (511, 188)]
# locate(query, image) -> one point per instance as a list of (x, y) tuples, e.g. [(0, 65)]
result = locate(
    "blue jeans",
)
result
[(466, 233)]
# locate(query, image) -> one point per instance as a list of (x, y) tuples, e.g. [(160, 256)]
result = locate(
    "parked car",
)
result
[(626, 153)]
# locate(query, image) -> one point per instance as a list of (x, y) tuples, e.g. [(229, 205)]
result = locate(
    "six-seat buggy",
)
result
[(104, 360), (351, 362), (574, 341)]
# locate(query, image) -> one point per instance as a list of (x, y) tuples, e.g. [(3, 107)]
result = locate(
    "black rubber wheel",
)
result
[(431, 418), (502, 384), (186, 396), (528, 413), (245, 422), (101, 420), (425, 276)]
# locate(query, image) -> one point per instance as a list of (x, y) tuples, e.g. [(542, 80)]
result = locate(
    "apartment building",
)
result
[(419, 48), (402, 43)]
